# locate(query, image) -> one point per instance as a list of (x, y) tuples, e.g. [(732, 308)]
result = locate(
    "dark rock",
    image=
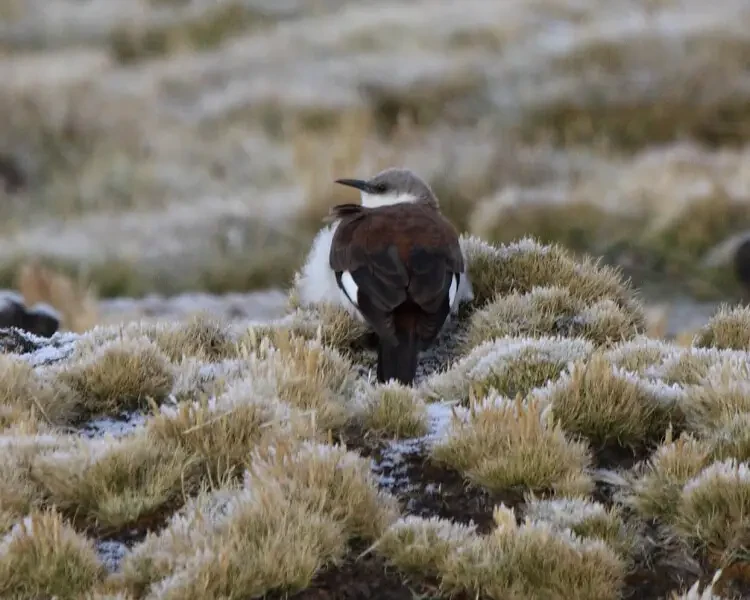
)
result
[(741, 263), (41, 320), (12, 176), (12, 311)]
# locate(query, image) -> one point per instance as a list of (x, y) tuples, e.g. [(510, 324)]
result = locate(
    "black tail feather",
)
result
[(398, 361)]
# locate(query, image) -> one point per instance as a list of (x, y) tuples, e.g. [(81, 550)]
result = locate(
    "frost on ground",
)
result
[(523, 447), (167, 417)]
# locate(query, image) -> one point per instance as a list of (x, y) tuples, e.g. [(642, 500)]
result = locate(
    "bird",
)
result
[(395, 262)]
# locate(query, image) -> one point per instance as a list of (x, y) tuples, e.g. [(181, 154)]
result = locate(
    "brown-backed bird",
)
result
[(396, 261)]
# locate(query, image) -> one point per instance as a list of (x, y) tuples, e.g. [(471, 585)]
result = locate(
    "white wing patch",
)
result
[(350, 287), (452, 290)]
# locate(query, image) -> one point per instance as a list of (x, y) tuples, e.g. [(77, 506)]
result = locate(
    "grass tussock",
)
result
[(44, 557), (304, 373), (523, 265), (516, 446), (729, 436), (422, 546), (26, 394), (201, 337), (586, 519), (257, 541), (120, 375), (76, 302), (711, 512), (332, 325), (510, 365), (689, 368), (550, 311), (659, 481), (505, 563), (610, 406), (221, 432), (714, 400), (292, 515), (19, 494), (729, 328), (110, 486), (639, 354), (392, 410), (333, 479)]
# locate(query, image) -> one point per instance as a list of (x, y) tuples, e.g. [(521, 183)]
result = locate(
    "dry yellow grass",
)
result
[(201, 337), (708, 404), (639, 354), (422, 546), (711, 512), (19, 493), (729, 328), (505, 563), (76, 303), (294, 513), (221, 433), (44, 557), (660, 480), (392, 410), (110, 486), (610, 407), (525, 264), (331, 325), (262, 543), (586, 519), (510, 365), (550, 310), (27, 394), (304, 373), (120, 375), (245, 439), (331, 479), (512, 445)]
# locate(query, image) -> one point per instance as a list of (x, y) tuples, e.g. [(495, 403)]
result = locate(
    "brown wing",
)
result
[(397, 255)]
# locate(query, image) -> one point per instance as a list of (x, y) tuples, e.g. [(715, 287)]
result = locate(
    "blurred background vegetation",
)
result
[(164, 146)]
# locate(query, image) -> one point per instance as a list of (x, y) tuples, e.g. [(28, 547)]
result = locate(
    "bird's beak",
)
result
[(355, 183)]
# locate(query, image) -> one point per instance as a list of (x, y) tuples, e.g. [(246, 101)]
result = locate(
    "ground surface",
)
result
[(242, 410), (161, 159)]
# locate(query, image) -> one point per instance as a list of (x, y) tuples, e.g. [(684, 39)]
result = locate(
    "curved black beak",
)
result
[(355, 183)]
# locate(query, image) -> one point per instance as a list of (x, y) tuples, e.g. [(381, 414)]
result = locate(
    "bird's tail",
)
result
[(398, 361)]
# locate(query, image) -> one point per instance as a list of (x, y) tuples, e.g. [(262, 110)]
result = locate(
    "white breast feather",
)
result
[(317, 281)]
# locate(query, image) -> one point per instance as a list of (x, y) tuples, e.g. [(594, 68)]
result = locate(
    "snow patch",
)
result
[(113, 426), (111, 554)]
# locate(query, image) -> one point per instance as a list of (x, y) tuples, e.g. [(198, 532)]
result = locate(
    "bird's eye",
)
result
[(381, 188)]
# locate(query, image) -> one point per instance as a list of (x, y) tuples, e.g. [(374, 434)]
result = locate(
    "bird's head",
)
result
[(392, 186)]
